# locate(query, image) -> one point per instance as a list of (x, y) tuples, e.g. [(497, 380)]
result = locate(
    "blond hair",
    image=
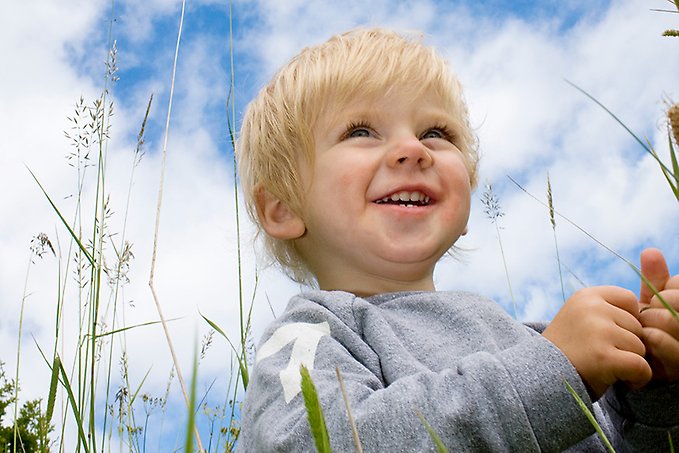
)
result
[(276, 138)]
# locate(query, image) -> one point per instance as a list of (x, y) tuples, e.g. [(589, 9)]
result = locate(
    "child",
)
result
[(358, 163)]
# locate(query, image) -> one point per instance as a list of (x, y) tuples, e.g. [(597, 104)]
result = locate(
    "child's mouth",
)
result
[(406, 198)]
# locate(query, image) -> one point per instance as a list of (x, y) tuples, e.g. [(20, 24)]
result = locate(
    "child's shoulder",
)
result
[(341, 301), (344, 310)]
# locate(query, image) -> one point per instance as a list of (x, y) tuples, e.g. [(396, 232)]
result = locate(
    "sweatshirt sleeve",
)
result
[(643, 420), (515, 399)]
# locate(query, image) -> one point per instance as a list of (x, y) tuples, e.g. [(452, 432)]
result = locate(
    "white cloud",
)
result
[(531, 123)]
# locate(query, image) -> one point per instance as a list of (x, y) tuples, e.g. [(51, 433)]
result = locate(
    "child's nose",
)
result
[(410, 152)]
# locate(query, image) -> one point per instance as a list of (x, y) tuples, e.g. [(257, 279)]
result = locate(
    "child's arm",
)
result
[(494, 385), (599, 331)]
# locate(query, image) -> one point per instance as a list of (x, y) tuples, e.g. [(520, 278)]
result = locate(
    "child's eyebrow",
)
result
[(423, 115), (339, 118), (350, 114), (438, 115)]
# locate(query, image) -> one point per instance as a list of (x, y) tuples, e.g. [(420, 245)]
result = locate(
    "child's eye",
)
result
[(438, 132), (357, 130)]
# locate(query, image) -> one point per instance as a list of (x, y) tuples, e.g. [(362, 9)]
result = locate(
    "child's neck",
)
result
[(370, 285)]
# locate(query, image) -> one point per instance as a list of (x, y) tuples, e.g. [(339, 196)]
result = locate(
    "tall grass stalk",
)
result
[(39, 246), (493, 211), (154, 256), (240, 352), (119, 276), (18, 356), (354, 429), (231, 119), (552, 221), (231, 123), (86, 361), (102, 213)]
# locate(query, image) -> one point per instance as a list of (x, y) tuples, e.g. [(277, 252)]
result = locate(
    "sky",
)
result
[(514, 59)]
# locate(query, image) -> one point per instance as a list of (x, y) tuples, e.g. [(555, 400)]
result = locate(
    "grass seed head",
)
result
[(491, 204), (550, 202), (673, 116)]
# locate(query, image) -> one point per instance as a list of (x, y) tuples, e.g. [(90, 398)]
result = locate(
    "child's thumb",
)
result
[(654, 268)]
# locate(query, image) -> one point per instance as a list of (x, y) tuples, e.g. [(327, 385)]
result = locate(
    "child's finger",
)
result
[(628, 332), (654, 268), (630, 340), (671, 296), (633, 368), (662, 319), (619, 297), (664, 351), (672, 283)]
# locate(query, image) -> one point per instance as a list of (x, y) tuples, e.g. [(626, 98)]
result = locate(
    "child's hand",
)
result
[(599, 331), (660, 330)]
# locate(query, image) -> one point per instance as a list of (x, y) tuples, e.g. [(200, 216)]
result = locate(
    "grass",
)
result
[(96, 260), (314, 411), (494, 212), (590, 417), (552, 221), (440, 446)]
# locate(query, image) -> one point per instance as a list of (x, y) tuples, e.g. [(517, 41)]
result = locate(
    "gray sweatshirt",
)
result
[(482, 380)]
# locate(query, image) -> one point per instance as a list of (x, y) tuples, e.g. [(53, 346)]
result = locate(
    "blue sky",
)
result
[(512, 58)]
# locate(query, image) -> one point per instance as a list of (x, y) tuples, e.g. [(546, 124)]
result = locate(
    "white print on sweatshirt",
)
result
[(305, 337)]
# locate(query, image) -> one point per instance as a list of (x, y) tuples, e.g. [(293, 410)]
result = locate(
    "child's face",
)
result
[(387, 196)]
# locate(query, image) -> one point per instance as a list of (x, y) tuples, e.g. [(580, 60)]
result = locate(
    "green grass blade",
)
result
[(669, 435), (440, 448), (649, 150), (123, 329), (74, 405), (596, 101), (141, 384), (242, 365), (590, 417), (54, 380), (675, 167), (63, 220), (670, 177), (191, 423), (673, 155), (314, 412)]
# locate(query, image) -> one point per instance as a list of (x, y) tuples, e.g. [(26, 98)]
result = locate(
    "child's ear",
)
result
[(277, 219)]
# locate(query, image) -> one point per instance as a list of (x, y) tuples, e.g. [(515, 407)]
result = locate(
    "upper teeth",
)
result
[(407, 196)]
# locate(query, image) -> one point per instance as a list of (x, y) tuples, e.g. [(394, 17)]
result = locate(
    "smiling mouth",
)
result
[(407, 199)]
